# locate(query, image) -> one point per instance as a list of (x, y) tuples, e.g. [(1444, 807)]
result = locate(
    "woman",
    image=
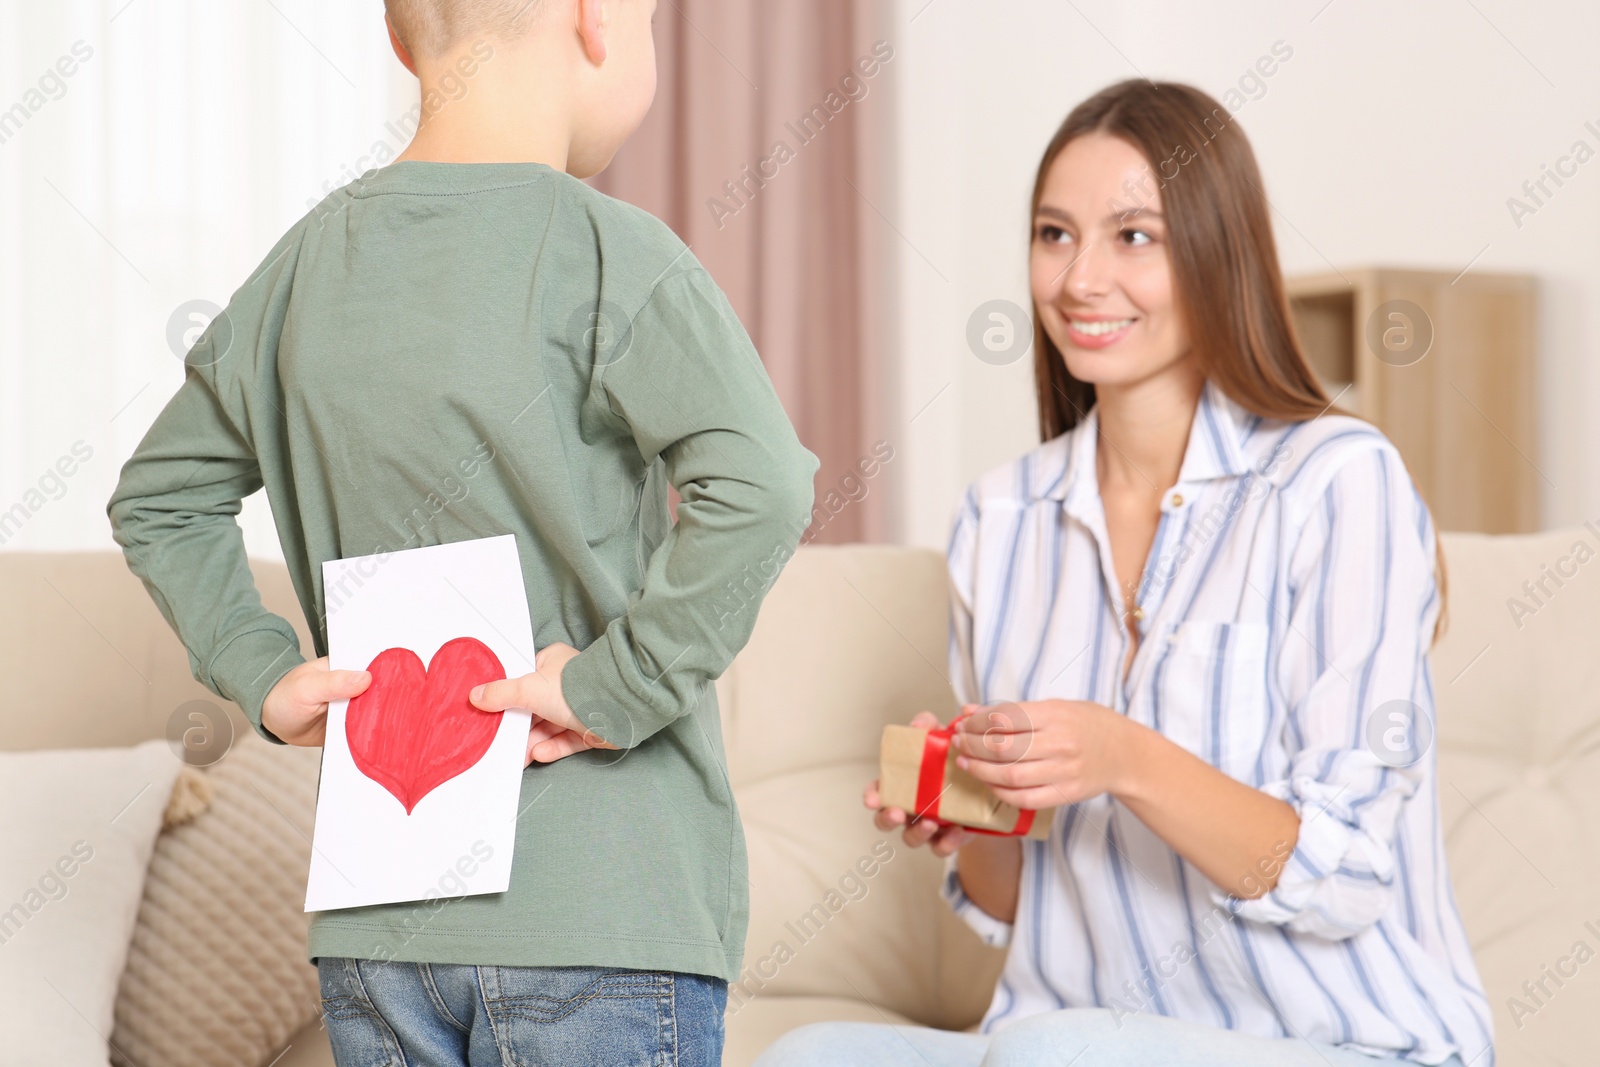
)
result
[(1184, 613)]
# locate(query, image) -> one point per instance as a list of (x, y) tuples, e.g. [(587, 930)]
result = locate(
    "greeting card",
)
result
[(414, 778)]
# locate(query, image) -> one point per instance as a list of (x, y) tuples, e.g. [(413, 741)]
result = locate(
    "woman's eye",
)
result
[(1129, 235), (1051, 234)]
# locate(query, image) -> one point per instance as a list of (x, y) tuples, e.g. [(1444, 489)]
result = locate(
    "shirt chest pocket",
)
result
[(1210, 693)]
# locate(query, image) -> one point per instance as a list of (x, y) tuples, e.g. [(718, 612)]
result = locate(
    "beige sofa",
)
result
[(853, 638)]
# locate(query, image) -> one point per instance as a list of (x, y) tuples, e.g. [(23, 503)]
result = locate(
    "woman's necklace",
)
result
[(1131, 611)]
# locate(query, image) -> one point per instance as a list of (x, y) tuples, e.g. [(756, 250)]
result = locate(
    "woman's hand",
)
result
[(296, 708), (1045, 753), (918, 832)]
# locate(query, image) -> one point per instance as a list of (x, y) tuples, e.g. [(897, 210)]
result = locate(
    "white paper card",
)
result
[(440, 615)]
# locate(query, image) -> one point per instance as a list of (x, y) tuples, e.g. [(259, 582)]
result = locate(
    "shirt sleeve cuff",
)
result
[(247, 667), (990, 930), (594, 687)]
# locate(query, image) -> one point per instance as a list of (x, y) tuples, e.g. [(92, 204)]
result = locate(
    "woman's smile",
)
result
[(1096, 331)]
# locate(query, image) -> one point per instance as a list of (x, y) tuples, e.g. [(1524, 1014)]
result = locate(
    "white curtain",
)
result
[(151, 153)]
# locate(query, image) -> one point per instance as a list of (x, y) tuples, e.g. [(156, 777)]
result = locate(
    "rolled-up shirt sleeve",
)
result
[(1352, 670)]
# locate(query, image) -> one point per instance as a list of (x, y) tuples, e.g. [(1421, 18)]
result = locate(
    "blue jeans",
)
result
[(458, 1015), (1079, 1037)]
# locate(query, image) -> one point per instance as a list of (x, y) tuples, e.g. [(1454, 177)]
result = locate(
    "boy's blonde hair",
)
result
[(433, 27)]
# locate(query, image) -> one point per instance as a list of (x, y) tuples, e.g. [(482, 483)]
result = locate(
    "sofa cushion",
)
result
[(849, 639), (82, 637), (837, 907), (1518, 685), (76, 834)]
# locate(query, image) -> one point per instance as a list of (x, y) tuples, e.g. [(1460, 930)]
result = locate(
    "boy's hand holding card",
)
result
[(296, 710), (556, 731)]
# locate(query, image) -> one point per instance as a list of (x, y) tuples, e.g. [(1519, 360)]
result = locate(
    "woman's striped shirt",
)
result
[(1288, 605)]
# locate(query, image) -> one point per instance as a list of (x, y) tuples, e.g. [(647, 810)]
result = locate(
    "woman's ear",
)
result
[(592, 29), (399, 49)]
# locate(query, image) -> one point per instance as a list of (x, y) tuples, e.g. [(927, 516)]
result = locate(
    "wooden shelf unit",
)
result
[(1462, 415)]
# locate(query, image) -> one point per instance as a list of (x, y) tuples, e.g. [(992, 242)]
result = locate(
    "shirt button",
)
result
[(1177, 500)]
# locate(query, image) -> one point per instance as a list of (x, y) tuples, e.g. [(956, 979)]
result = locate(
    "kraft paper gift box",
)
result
[(907, 762)]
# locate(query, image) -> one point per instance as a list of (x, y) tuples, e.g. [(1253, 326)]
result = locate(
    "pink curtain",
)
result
[(766, 151)]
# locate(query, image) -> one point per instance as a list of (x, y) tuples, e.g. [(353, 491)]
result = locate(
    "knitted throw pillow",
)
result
[(217, 973)]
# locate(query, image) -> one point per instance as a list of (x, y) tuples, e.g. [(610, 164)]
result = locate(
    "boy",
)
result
[(465, 343)]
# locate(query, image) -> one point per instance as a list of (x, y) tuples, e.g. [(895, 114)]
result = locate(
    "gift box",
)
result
[(917, 772)]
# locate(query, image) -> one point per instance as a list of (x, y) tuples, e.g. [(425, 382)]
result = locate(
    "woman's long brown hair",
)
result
[(1225, 272)]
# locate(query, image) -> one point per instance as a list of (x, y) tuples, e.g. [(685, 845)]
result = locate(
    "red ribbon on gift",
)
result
[(930, 783)]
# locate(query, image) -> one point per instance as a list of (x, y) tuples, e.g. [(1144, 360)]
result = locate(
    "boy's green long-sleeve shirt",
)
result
[(445, 351)]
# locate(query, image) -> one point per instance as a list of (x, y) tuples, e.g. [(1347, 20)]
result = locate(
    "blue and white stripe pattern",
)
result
[(1289, 594)]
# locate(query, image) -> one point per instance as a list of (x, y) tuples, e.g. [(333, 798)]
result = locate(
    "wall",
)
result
[(1394, 135), (186, 139)]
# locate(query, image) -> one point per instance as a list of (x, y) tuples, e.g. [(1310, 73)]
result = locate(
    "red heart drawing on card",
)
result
[(413, 729)]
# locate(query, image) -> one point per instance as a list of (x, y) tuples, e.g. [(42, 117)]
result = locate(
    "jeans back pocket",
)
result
[(357, 1032), (580, 1016)]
